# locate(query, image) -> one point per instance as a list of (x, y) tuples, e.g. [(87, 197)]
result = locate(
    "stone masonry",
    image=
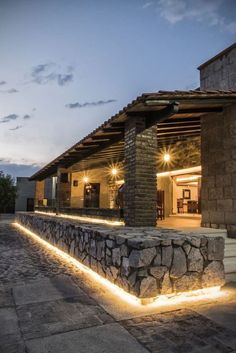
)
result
[(145, 262), (218, 134), (140, 173), (220, 73)]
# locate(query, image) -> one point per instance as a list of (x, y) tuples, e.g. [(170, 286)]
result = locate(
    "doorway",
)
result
[(91, 195), (186, 194), (30, 205)]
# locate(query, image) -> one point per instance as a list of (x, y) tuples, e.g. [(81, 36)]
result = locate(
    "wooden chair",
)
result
[(180, 205), (192, 206)]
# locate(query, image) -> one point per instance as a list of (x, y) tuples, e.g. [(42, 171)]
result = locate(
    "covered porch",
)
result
[(165, 154), (159, 156)]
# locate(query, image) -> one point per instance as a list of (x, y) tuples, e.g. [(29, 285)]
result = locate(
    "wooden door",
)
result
[(91, 195)]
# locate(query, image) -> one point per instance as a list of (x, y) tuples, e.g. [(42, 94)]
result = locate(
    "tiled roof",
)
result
[(139, 104)]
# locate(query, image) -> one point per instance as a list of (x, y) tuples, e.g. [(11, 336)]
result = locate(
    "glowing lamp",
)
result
[(114, 171), (85, 180), (166, 157)]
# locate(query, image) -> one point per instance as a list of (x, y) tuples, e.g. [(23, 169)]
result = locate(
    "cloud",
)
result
[(24, 169), (89, 104), (16, 128), (147, 4), (208, 11), (8, 118), (40, 68), (2, 83), (49, 72), (27, 116), (64, 79), (11, 90)]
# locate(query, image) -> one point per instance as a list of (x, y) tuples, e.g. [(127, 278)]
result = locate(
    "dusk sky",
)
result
[(66, 66)]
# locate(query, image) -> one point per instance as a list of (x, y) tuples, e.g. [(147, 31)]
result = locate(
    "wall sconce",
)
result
[(85, 180), (166, 157), (114, 171)]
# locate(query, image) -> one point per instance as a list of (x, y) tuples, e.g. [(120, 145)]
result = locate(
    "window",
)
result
[(75, 183)]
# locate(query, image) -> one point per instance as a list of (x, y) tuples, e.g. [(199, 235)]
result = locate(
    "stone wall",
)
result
[(145, 262), (25, 190), (220, 74), (218, 192)]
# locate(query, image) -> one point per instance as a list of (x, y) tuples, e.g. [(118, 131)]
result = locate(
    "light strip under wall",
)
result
[(162, 300), (83, 219)]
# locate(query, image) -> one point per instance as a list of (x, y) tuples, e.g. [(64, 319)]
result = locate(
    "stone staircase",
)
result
[(194, 226), (230, 252), (230, 259)]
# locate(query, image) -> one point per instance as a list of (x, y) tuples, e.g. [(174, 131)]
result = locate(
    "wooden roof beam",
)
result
[(177, 127), (177, 132), (113, 129)]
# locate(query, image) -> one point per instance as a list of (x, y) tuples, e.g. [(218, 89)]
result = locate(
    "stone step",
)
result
[(230, 277), (230, 264), (230, 251), (230, 241)]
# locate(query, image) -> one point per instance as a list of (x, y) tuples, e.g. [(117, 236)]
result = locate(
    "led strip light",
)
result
[(83, 219), (195, 295)]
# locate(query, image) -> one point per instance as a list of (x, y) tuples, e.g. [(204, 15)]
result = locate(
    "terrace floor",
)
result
[(47, 305)]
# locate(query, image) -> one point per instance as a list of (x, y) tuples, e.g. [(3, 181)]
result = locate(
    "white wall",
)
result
[(25, 190)]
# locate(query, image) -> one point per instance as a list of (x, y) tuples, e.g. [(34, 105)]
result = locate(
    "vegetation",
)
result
[(7, 193)]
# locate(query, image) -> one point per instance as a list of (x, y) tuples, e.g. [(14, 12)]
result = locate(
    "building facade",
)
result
[(25, 197), (165, 153)]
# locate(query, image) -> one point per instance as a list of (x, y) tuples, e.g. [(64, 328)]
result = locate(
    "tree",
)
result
[(7, 193)]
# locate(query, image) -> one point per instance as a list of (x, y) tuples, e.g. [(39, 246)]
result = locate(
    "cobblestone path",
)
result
[(22, 258), (45, 307)]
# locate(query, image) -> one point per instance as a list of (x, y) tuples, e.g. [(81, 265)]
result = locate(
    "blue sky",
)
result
[(66, 66)]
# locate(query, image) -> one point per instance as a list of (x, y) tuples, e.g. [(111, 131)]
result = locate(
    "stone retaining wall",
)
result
[(111, 214), (145, 262)]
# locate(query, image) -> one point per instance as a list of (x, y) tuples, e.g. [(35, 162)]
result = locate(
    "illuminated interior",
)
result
[(179, 192)]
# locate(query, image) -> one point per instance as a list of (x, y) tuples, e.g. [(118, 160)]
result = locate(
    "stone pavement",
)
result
[(47, 306)]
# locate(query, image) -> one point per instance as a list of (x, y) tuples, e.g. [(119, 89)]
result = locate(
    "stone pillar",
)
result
[(113, 189), (140, 168), (218, 154)]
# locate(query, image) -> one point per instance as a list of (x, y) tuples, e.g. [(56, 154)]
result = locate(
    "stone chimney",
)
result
[(219, 73)]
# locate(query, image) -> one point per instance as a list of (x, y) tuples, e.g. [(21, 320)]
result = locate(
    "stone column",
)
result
[(63, 195), (112, 193), (218, 154), (140, 168)]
